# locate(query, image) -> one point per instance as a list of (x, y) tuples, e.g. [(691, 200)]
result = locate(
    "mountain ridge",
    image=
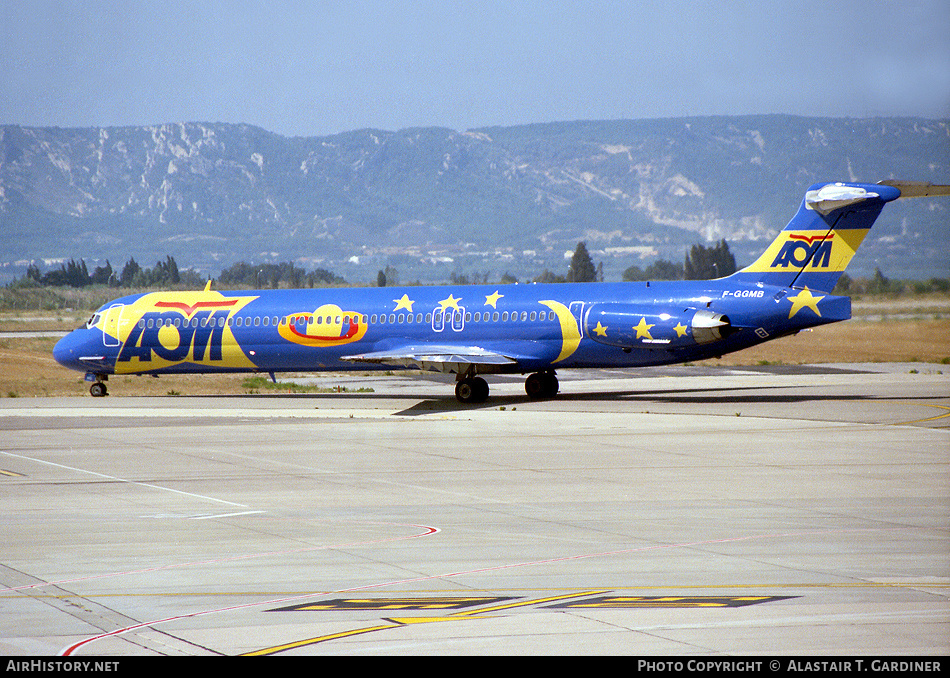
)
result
[(431, 200)]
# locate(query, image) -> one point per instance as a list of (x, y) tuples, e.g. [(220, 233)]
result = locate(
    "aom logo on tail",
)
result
[(801, 249), (810, 250)]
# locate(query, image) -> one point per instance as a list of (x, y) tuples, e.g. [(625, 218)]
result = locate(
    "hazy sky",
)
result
[(321, 67)]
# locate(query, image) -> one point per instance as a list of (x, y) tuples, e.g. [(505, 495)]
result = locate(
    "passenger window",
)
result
[(534, 315), (504, 316)]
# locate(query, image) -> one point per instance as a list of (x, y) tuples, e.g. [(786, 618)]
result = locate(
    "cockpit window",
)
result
[(93, 321)]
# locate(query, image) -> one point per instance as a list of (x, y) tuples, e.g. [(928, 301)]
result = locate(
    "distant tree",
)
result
[(129, 272), (634, 273), (71, 274), (174, 276), (548, 277), (508, 279), (190, 278), (381, 279), (321, 276), (844, 285), (878, 284), (76, 274), (704, 263), (582, 267), (284, 275), (939, 284), (102, 274), (661, 269)]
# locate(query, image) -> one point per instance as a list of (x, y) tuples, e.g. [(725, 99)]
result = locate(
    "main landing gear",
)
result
[(472, 390), (541, 385)]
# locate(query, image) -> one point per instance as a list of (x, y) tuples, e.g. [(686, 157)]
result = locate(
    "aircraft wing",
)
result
[(438, 358)]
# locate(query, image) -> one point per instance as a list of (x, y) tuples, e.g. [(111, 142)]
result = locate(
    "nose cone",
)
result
[(69, 349)]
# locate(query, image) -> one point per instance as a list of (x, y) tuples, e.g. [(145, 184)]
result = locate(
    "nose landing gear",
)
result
[(98, 389)]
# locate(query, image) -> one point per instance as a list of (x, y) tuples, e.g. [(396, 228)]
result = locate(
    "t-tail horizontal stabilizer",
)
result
[(817, 245), (917, 189)]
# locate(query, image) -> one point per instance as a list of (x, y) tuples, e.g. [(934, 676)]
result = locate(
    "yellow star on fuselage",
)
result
[(492, 299), (643, 330), (680, 330), (405, 302), (451, 302), (600, 330), (802, 300)]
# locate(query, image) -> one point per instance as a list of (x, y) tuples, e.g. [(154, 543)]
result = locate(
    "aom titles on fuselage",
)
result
[(474, 330)]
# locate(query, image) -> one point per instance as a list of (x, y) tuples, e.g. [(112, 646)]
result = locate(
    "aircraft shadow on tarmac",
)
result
[(698, 396)]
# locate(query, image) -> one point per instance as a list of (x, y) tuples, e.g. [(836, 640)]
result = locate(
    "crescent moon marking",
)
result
[(570, 334)]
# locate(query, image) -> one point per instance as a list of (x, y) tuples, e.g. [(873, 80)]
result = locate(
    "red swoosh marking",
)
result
[(188, 310), (810, 238)]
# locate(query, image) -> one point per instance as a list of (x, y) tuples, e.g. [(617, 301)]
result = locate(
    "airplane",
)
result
[(469, 331)]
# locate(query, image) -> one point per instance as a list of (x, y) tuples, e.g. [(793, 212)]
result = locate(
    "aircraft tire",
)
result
[(541, 385), (481, 389), (472, 390), (98, 390)]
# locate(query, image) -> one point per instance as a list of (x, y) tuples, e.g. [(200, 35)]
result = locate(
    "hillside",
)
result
[(432, 201)]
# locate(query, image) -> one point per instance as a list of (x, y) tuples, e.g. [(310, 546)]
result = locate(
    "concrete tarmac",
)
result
[(684, 511)]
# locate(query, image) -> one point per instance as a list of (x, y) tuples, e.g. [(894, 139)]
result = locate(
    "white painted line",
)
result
[(123, 480)]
